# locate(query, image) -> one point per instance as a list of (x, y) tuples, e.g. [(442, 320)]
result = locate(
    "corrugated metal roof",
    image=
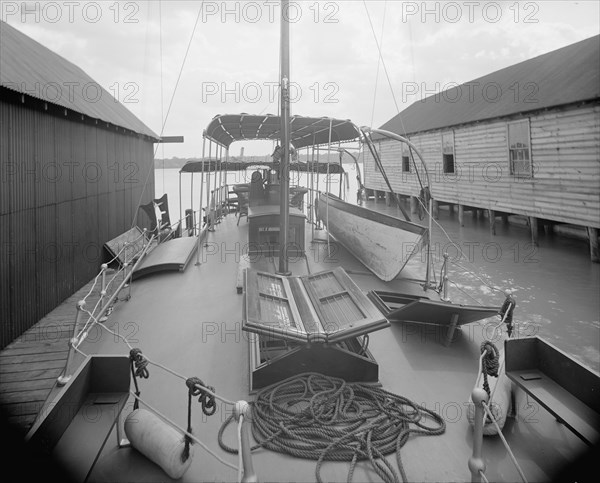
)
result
[(28, 67), (564, 76)]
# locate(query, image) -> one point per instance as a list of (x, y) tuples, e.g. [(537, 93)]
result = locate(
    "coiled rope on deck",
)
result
[(313, 416)]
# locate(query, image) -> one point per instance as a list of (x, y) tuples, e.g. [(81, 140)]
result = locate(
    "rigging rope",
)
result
[(381, 56), (164, 122), (506, 312), (378, 63), (313, 416)]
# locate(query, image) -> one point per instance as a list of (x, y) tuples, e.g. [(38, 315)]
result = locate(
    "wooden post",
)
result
[(436, 210), (505, 218), (451, 208), (461, 215), (594, 249), (413, 205), (388, 198), (492, 217), (475, 210), (534, 230), (376, 196)]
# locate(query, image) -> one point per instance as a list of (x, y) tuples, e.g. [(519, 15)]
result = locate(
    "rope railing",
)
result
[(241, 408), (506, 445), (78, 337)]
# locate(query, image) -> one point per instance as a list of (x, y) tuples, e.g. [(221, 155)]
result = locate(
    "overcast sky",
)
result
[(233, 60)]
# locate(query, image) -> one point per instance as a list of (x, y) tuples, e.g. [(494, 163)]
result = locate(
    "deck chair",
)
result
[(160, 222), (243, 203)]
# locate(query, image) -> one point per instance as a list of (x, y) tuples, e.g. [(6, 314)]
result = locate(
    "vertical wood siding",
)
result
[(62, 196), (565, 153)]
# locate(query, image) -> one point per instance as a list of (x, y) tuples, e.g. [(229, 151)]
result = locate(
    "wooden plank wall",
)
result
[(66, 188), (565, 146)]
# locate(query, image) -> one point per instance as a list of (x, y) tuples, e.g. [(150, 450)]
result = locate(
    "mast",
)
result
[(284, 211)]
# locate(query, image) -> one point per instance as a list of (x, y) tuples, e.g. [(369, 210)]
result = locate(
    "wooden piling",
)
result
[(492, 218), (376, 196), (451, 208), (388, 198), (436, 209), (504, 218), (461, 215), (594, 248), (533, 222), (474, 212)]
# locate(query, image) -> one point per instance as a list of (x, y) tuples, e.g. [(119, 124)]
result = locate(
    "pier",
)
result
[(31, 364)]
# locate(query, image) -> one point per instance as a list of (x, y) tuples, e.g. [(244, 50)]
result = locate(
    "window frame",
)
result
[(405, 153), (444, 162), (521, 173)]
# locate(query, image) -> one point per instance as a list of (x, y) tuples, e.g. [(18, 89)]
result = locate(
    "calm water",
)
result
[(555, 285)]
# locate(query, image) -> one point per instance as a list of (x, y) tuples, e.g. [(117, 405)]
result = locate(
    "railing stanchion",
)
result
[(242, 409), (476, 463), (66, 374)]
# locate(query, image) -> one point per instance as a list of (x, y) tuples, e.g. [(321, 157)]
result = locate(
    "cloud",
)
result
[(334, 54)]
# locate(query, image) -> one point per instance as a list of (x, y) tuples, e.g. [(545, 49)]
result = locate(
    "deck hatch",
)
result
[(327, 306), (276, 311)]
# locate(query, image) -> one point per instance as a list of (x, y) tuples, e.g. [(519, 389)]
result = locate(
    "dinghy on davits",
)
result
[(383, 243)]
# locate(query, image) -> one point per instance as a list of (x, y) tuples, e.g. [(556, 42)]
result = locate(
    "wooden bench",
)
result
[(563, 386), (73, 428)]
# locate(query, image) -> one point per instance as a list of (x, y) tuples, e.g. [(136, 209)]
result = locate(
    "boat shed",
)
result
[(74, 165), (524, 140)]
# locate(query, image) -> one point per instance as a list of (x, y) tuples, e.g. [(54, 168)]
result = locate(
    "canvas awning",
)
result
[(304, 131), (210, 165)]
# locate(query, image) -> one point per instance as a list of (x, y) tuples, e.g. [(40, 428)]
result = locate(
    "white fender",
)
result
[(500, 405), (158, 441)]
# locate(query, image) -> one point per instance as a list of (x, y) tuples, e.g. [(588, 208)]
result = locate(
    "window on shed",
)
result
[(405, 158), (448, 151), (518, 148)]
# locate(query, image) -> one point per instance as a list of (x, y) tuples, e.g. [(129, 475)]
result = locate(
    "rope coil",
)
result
[(323, 418), (197, 388), (489, 363), (141, 370), (141, 363), (206, 399)]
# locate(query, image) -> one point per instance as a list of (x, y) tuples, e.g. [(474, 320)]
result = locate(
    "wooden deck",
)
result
[(30, 365)]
